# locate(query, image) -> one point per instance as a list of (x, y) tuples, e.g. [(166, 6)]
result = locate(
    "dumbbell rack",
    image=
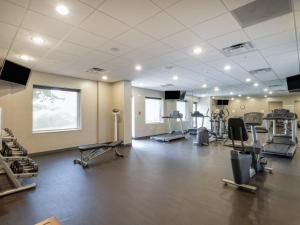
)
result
[(16, 179)]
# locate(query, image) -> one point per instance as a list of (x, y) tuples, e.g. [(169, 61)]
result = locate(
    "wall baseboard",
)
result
[(147, 137), (54, 151)]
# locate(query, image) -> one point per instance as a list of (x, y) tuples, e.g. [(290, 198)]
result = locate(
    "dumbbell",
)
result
[(28, 166), (9, 132), (14, 152)]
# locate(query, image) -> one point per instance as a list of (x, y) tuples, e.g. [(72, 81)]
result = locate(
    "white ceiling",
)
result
[(160, 35)]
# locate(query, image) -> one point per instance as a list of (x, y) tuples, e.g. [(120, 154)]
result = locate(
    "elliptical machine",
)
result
[(218, 122), (246, 161)]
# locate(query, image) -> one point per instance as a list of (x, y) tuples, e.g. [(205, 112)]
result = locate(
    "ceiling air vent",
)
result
[(258, 11), (237, 49), (96, 70), (259, 71), (167, 85)]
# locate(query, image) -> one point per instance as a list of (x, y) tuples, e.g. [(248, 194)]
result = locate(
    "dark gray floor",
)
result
[(156, 183)]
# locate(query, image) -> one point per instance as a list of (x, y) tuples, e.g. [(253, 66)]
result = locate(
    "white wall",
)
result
[(141, 128)]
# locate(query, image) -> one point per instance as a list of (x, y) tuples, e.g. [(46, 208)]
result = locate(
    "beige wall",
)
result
[(141, 128), (121, 99), (97, 101), (259, 104), (17, 110)]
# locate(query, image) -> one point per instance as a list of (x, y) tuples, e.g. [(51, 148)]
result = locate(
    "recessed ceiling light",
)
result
[(248, 79), (62, 9), (270, 92), (38, 40), (213, 97), (266, 96), (25, 57), (266, 89), (227, 67), (240, 95), (231, 93), (216, 89), (256, 84), (104, 77), (138, 67), (204, 85), (248, 97), (197, 50), (175, 77)]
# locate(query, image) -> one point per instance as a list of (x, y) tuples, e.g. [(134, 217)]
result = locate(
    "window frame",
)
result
[(79, 108), (185, 116), (161, 111)]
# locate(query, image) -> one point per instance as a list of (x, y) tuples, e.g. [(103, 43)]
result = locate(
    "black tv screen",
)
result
[(293, 83), (14, 73), (172, 94), (222, 102)]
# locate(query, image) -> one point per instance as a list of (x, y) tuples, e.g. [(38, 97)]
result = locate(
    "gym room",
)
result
[(149, 112)]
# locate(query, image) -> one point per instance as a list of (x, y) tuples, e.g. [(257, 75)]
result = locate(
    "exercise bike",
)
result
[(246, 161)]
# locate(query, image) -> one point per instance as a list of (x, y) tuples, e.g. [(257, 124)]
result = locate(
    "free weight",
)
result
[(26, 166)]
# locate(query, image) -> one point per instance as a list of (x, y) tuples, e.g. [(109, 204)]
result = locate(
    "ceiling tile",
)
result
[(103, 25), (290, 66), (250, 61), (218, 26), (276, 39), (23, 3), (130, 12), (46, 25), (279, 49), (229, 39), (161, 25), (182, 39), (156, 49), (11, 13), (26, 37), (234, 4), (93, 3), (191, 12), (85, 39), (78, 10), (94, 58), (269, 27), (265, 76), (62, 57), (7, 31), (114, 48), (134, 39), (165, 3), (73, 49)]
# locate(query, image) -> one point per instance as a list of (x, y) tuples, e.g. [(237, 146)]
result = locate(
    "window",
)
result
[(153, 110), (181, 107), (55, 109)]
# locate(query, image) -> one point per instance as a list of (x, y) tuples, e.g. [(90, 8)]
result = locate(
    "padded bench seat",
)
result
[(90, 152), (114, 144)]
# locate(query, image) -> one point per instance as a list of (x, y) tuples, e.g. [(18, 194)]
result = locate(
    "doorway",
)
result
[(275, 105)]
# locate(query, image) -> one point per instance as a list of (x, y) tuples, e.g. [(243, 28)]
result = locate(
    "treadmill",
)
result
[(283, 143), (173, 134), (196, 114)]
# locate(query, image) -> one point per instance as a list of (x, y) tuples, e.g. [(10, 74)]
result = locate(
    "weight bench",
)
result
[(90, 152)]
